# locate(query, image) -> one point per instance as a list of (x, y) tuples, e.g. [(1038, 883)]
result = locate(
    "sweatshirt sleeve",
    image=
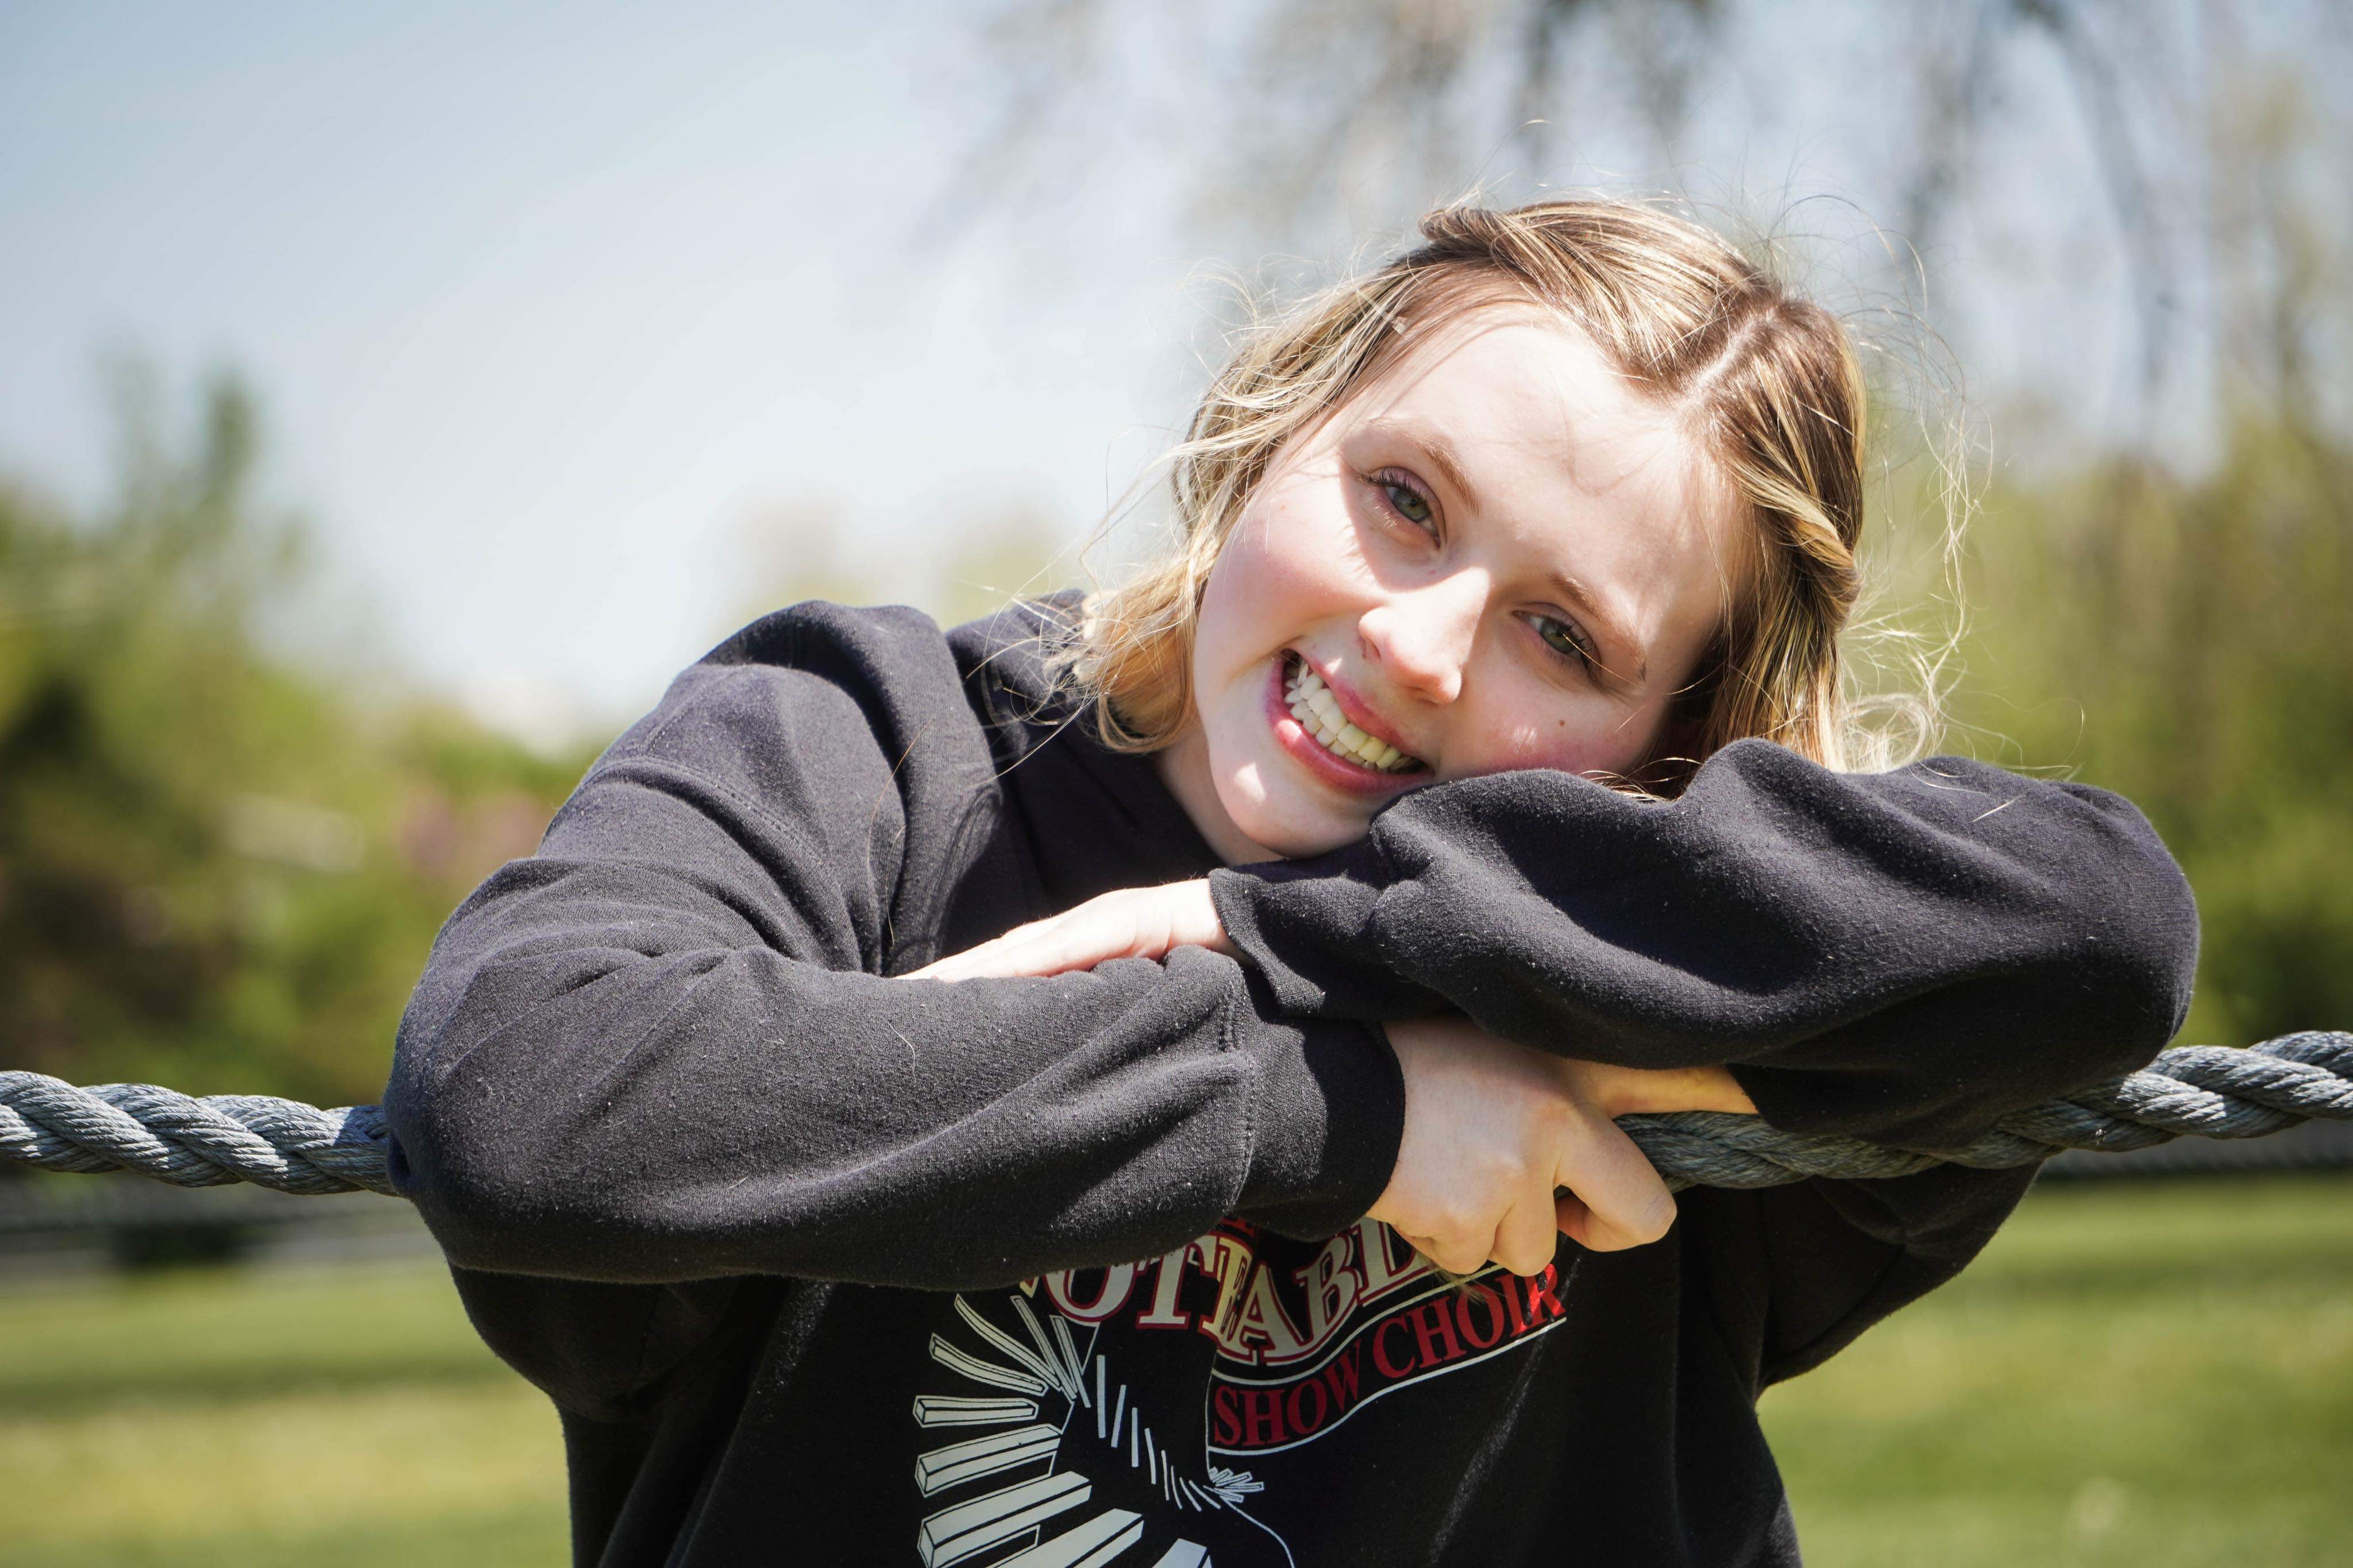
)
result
[(661, 1049), (1904, 956)]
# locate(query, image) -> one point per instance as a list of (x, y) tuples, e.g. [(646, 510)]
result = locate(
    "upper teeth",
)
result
[(1312, 704)]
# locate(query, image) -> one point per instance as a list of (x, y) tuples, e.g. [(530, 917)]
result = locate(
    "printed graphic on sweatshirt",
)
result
[(1120, 1414)]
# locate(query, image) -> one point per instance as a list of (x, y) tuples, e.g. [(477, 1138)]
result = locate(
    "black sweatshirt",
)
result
[(821, 1266)]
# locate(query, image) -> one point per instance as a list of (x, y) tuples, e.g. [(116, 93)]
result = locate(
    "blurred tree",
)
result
[(2185, 641), (1307, 122), (217, 866), (2171, 618), (2188, 638)]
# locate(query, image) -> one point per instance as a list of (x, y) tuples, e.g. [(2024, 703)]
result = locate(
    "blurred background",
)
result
[(392, 399)]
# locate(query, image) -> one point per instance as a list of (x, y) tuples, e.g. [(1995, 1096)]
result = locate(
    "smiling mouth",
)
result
[(1318, 712)]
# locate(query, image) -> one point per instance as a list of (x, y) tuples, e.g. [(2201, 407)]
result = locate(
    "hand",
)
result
[(1494, 1132), (1135, 923), (1618, 1091)]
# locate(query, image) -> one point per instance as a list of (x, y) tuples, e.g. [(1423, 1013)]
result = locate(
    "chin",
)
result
[(1295, 836)]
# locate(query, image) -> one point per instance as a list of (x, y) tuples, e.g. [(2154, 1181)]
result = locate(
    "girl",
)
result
[(1472, 775)]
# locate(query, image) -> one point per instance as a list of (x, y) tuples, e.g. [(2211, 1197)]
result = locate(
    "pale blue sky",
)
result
[(544, 301)]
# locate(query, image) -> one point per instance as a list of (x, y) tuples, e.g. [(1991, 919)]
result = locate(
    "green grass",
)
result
[(346, 1418), (2155, 1374)]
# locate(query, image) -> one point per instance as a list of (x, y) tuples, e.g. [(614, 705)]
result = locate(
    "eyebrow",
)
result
[(1441, 452)]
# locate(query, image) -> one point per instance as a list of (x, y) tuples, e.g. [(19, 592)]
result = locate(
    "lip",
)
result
[(1353, 778), (1352, 704)]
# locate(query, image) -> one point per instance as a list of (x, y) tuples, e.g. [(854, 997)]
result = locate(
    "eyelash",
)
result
[(1385, 482), (1577, 649)]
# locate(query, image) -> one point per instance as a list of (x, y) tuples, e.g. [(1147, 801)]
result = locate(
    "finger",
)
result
[(1079, 939), (1424, 1245), (1621, 1201), (1455, 1256), (1135, 923), (1069, 943), (1528, 1238), (1461, 1254), (1192, 917), (1019, 953), (1576, 1221), (957, 968), (985, 959)]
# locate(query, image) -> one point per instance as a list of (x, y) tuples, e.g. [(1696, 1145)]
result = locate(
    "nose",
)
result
[(1421, 638)]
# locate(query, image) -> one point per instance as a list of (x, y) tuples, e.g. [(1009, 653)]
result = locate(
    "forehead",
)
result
[(1517, 388), (1563, 454)]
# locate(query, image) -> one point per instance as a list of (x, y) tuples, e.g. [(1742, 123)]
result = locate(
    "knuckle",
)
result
[(1523, 1259), (1640, 1228), (1602, 1237)]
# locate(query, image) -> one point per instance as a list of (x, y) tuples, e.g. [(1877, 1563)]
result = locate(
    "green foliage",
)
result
[(2189, 643), (216, 868), (221, 869)]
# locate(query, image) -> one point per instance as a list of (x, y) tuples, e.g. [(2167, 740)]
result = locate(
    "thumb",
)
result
[(1612, 1197)]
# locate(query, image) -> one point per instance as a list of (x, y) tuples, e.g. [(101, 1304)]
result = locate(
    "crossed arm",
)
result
[(1504, 1145), (1905, 956)]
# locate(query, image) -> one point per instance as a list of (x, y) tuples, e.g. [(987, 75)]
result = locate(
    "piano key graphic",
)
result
[(1098, 1541), (980, 1370), (957, 1410), (1040, 1363), (1183, 1554), (970, 1528), (977, 1457)]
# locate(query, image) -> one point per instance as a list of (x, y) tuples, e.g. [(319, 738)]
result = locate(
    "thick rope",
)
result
[(2206, 1091), (190, 1143)]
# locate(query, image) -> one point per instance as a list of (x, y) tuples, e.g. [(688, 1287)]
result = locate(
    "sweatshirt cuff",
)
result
[(1328, 1118), (1306, 926)]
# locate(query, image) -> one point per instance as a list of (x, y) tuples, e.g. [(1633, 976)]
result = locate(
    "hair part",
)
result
[(1766, 384)]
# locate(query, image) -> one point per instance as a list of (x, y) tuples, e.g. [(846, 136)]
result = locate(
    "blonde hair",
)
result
[(1766, 382)]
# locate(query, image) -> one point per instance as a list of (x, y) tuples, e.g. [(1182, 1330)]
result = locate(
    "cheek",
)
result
[(1286, 565), (1579, 734)]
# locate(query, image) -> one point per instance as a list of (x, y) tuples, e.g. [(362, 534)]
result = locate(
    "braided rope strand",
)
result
[(2206, 1091), (278, 1144)]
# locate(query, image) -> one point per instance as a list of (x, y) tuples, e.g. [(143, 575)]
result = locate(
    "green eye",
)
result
[(1562, 638), (1410, 503)]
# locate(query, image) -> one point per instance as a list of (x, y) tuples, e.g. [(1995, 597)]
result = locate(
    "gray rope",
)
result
[(190, 1143), (2206, 1091)]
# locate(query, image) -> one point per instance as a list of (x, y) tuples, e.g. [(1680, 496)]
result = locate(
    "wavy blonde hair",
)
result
[(1767, 383)]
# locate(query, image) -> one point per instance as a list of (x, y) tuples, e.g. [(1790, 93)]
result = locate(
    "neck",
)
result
[(1184, 766)]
